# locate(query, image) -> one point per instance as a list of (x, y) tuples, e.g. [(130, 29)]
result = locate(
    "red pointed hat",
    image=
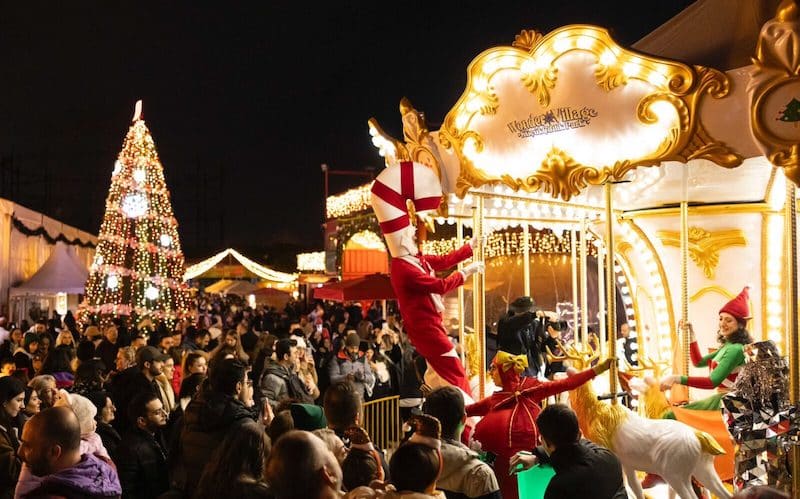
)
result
[(738, 307)]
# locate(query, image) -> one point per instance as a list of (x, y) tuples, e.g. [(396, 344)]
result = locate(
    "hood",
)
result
[(276, 369), (91, 476), (211, 411)]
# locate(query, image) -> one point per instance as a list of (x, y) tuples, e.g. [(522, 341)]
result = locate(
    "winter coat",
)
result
[(91, 477), (464, 475), (342, 366), (110, 437), (142, 465), (9, 463), (124, 387), (584, 469), (522, 334), (279, 383), (206, 421)]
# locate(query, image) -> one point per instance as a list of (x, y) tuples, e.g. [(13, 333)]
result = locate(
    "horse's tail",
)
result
[(709, 444)]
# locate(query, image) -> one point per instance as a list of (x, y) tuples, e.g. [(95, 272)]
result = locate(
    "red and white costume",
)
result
[(419, 291)]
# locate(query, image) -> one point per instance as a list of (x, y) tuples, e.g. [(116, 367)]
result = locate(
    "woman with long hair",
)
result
[(12, 402), (59, 364), (230, 345), (236, 468)]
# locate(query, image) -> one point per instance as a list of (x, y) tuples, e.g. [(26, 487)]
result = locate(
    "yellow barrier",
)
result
[(381, 419)]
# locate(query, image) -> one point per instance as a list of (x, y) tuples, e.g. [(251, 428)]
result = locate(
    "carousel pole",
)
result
[(601, 296), (790, 208), (478, 298), (682, 392), (526, 259), (584, 285), (574, 266), (460, 243), (611, 318)]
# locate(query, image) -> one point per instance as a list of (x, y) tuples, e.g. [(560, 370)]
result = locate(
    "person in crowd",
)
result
[(93, 334), (247, 336), (23, 357), (12, 402), (142, 457), (334, 443), (194, 362), (582, 468), (189, 388), (300, 466), (305, 367), (85, 410), (362, 465), (4, 333), (108, 347), (88, 378), (126, 357), (45, 386), (59, 363), (351, 364), (237, 467), (521, 332), (382, 369), (33, 404), (627, 347), (139, 340), (105, 415), (51, 448), (280, 380), (281, 424), (231, 345), (135, 380), (66, 339), (7, 367), (226, 404), (342, 405), (416, 464), (13, 343), (45, 343), (196, 340), (164, 381), (463, 474)]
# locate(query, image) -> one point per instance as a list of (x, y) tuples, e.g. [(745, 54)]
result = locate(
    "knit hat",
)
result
[(427, 431), (359, 438), (352, 339), (10, 387), (83, 408), (308, 417), (739, 307), (400, 194)]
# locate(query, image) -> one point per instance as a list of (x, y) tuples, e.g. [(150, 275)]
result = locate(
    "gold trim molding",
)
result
[(712, 289), (775, 73), (704, 246), (534, 55)]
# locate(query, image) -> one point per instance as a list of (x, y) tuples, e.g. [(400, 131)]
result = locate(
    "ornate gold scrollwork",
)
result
[(776, 74), (705, 246), (681, 87)]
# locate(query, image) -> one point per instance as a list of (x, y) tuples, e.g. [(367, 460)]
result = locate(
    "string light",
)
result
[(509, 243), (349, 202), (139, 264), (259, 270), (311, 262)]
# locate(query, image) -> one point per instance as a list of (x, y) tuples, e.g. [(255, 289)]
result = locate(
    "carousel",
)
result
[(616, 187)]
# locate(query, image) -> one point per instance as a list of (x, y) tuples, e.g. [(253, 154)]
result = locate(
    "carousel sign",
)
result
[(553, 121), (573, 108)]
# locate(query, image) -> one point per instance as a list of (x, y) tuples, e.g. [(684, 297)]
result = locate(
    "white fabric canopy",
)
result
[(61, 273)]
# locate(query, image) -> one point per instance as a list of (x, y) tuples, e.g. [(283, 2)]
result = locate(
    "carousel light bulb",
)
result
[(112, 281)]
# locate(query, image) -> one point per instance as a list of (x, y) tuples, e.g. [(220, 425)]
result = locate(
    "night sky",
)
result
[(244, 100)]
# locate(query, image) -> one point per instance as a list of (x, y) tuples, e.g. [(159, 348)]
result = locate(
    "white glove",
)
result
[(669, 380), (472, 268)]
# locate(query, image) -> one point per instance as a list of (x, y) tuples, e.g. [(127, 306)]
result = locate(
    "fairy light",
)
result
[(510, 243), (259, 270), (138, 266), (311, 262), (352, 201)]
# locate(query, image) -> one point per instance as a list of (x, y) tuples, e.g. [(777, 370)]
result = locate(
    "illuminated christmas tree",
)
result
[(138, 265)]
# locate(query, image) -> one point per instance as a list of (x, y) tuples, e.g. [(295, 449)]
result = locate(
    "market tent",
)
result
[(61, 273), (260, 271), (370, 287), (218, 286), (240, 288), (272, 297)]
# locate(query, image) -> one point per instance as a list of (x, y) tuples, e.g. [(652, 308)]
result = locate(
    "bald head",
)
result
[(51, 441), (301, 466)]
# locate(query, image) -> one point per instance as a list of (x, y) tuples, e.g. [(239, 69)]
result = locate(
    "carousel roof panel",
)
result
[(720, 34)]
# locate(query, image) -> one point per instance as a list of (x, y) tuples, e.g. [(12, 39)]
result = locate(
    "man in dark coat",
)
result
[(133, 381), (520, 332), (582, 468), (225, 405), (142, 457)]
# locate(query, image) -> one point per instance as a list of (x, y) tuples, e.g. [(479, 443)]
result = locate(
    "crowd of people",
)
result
[(250, 403)]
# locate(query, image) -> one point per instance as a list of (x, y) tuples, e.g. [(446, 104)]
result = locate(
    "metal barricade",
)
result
[(381, 419)]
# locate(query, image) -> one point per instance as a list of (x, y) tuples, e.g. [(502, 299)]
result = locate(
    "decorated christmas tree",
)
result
[(138, 265), (791, 113)]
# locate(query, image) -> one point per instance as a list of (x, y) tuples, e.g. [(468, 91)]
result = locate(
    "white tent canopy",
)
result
[(61, 273)]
